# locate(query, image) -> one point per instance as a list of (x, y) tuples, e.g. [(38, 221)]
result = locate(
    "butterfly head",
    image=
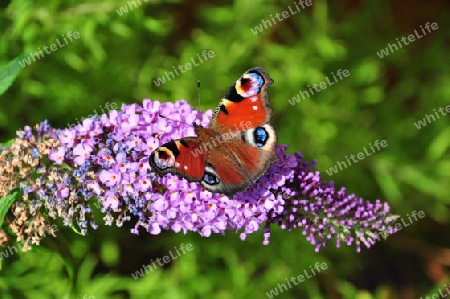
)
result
[(198, 128)]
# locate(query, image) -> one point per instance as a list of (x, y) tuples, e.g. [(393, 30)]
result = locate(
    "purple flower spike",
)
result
[(107, 158)]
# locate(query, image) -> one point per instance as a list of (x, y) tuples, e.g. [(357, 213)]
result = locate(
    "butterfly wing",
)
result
[(184, 157), (246, 104), (237, 163), (248, 140)]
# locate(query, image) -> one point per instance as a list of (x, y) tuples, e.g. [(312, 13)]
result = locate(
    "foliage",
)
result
[(117, 58)]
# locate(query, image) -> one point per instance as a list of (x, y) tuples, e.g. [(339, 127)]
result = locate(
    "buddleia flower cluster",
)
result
[(104, 163), (20, 166)]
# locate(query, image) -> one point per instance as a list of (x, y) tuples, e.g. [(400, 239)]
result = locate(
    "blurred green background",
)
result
[(119, 55)]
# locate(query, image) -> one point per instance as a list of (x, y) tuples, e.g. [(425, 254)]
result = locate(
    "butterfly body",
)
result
[(237, 147)]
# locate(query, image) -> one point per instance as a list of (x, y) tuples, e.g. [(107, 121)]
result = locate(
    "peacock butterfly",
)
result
[(237, 147)]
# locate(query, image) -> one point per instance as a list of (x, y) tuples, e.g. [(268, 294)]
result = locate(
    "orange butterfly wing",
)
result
[(184, 157)]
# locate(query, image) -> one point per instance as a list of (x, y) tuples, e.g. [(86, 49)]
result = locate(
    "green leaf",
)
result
[(9, 72), (5, 204), (76, 230), (5, 145)]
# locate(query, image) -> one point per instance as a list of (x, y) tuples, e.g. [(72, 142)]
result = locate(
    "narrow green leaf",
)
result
[(9, 72), (5, 204)]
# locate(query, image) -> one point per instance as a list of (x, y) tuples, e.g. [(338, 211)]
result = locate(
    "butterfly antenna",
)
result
[(198, 93), (181, 122)]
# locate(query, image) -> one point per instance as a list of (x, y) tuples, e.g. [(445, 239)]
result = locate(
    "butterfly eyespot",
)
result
[(162, 159), (244, 83), (163, 155), (211, 179), (261, 136), (250, 84)]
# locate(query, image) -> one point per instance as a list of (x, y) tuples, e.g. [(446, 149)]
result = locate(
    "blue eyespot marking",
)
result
[(210, 179), (257, 81), (261, 136), (258, 78)]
